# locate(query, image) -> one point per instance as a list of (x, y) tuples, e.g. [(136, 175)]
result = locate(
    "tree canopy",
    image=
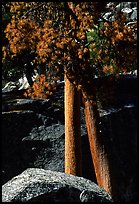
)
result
[(76, 41)]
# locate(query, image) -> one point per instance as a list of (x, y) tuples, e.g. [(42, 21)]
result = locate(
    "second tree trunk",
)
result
[(97, 147)]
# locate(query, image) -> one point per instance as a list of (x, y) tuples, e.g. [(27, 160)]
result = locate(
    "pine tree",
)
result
[(69, 38)]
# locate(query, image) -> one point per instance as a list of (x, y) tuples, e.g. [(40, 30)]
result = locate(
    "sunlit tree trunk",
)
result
[(97, 147), (72, 130)]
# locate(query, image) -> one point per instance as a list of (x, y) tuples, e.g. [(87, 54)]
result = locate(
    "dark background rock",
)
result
[(35, 185), (119, 133), (39, 145)]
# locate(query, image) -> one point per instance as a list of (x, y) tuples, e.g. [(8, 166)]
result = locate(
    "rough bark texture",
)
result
[(72, 130), (97, 147)]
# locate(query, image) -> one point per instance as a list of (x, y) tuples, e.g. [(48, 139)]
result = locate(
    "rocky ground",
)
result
[(33, 135), (39, 185)]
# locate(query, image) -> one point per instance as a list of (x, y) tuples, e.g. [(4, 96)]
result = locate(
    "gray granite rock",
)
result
[(35, 185), (129, 8), (34, 140)]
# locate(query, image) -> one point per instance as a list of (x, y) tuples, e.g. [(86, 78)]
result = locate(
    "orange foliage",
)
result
[(59, 37), (41, 88)]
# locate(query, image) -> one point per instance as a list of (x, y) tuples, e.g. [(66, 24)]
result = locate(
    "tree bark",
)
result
[(73, 156), (97, 147)]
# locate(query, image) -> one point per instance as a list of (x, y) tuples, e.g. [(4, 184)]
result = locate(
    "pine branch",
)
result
[(32, 9)]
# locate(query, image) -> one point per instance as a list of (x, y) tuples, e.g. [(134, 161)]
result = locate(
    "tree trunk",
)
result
[(97, 147), (72, 130)]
